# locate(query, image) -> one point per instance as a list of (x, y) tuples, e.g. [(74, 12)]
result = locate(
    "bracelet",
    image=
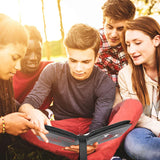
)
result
[(3, 125)]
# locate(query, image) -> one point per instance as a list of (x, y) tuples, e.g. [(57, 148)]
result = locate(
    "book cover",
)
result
[(64, 138)]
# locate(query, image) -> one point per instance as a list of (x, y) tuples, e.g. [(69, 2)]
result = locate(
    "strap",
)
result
[(82, 148)]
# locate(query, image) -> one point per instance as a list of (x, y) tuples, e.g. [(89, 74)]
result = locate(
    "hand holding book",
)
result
[(90, 148)]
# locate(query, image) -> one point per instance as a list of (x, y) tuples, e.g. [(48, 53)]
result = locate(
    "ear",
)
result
[(156, 40)]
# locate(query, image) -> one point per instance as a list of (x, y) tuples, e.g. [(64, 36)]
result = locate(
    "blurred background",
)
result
[(53, 18)]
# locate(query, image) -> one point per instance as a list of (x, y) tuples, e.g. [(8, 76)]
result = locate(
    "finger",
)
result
[(95, 144), (32, 125), (43, 136), (71, 149), (89, 152), (75, 147), (24, 115)]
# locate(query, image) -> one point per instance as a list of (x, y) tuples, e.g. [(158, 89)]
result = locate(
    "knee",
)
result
[(132, 146), (133, 106)]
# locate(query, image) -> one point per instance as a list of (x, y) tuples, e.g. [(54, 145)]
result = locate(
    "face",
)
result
[(113, 30), (140, 47), (10, 56), (81, 62), (31, 60)]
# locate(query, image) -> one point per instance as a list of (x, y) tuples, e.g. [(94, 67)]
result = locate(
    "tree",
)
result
[(147, 7)]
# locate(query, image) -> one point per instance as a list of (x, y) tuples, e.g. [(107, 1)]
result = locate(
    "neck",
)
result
[(151, 71)]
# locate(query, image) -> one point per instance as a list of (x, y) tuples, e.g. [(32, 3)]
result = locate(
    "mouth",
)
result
[(113, 40), (12, 74), (78, 74)]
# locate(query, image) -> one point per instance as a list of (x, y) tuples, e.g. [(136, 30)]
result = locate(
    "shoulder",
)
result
[(102, 79), (126, 70)]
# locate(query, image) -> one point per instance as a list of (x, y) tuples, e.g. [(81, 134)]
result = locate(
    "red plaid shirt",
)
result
[(111, 59)]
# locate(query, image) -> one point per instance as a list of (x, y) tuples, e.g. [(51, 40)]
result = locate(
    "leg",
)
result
[(142, 144), (128, 110), (75, 125)]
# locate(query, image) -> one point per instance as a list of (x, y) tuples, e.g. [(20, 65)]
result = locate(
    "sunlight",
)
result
[(73, 11)]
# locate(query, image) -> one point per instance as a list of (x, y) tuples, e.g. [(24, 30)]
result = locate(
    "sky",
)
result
[(73, 11)]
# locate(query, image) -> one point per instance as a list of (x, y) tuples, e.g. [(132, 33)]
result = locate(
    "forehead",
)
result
[(14, 49), (135, 35), (80, 55), (34, 44), (115, 23)]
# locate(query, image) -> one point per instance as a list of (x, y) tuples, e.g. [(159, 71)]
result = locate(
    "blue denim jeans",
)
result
[(142, 144)]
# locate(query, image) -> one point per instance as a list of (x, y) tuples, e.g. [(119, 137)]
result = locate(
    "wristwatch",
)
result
[(50, 114)]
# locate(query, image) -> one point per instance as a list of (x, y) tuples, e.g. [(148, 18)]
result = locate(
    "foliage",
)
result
[(147, 7), (55, 48), (22, 150)]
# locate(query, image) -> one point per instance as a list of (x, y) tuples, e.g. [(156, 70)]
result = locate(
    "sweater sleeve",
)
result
[(149, 123), (42, 88), (104, 102)]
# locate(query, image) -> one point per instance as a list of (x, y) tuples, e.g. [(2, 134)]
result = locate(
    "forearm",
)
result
[(149, 123)]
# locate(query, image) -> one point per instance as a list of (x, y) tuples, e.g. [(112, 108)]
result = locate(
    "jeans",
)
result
[(142, 144)]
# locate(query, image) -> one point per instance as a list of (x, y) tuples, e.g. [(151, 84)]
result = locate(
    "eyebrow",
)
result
[(82, 60)]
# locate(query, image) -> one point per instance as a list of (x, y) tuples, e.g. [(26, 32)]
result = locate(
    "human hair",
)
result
[(11, 32), (151, 28), (82, 36), (119, 9), (34, 33)]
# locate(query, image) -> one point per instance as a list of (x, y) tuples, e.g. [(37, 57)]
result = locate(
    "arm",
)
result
[(105, 93), (118, 97), (36, 97), (144, 121), (149, 123), (124, 91)]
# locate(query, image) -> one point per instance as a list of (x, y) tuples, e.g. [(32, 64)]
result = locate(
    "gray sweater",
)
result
[(90, 98)]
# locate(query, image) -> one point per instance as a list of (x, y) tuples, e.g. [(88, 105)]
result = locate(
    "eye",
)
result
[(120, 29), (15, 58), (86, 62), (138, 43), (109, 27), (72, 60)]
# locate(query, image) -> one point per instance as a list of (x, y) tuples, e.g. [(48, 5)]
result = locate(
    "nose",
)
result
[(114, 33), (33, 56), (18, 65), (78, 67), (131, 49)]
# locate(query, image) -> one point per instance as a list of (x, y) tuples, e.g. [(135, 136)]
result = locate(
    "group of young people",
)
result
[(110, 75)]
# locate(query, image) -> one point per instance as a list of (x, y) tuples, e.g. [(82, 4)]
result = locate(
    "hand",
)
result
[(37, 118), (40, 119), (17, 123), (90, 148)]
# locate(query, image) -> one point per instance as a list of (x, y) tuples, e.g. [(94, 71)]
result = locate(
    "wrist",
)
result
[(3, 126), (26, 108)]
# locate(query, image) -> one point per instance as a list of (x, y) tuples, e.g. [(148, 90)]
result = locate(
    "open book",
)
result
[(64, 138)]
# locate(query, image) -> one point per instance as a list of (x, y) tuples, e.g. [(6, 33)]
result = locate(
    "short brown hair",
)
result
[(82, 36), (119, 9)]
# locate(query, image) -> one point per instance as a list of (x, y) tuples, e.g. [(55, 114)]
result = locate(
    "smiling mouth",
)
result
[(79, 74), (134, 57)]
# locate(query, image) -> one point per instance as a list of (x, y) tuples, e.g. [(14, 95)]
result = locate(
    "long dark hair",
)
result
[(150, 27), (10, 32)]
